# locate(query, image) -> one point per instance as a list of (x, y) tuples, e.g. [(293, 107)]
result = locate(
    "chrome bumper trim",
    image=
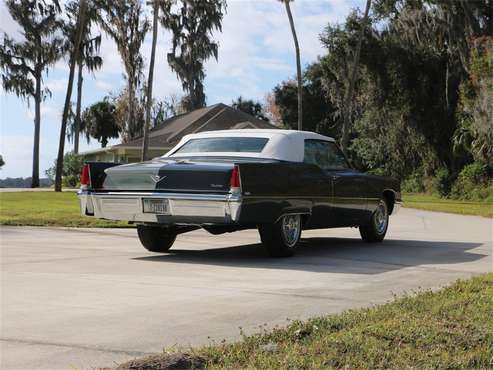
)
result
[(184, 208)]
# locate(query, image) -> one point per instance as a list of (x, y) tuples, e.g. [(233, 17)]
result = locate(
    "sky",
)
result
[(255, 54)]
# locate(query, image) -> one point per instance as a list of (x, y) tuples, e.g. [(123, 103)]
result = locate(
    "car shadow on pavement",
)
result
[(339, 255)]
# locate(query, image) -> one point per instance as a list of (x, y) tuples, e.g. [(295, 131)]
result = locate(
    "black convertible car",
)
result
[(279, 181)]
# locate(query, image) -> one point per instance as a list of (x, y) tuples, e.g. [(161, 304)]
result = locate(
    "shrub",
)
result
[(475, 172), (72, 167), (378, 172), (413, 183), (439, 184), (473, 183)]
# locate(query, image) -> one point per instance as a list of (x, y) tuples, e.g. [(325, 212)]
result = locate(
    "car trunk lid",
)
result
[(169, 175)]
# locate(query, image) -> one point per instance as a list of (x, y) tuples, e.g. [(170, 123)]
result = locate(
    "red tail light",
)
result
[(84, 177), (235, 180)]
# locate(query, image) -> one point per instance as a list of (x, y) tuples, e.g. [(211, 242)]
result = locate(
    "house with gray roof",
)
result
[(166, 135)]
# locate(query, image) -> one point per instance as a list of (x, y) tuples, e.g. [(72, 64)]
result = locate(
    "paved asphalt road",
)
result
[(90, 298)]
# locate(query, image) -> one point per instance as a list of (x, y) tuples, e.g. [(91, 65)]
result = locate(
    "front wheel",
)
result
[(375, 230), (155, 238), (281, 238)]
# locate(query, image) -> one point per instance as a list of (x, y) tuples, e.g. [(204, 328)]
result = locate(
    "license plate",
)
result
[(159, 206)]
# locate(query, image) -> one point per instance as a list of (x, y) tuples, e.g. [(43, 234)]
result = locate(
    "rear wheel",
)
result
[(155, 238), (376, 229), (281, 238)]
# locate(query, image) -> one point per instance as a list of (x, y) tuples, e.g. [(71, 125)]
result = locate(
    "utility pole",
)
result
[(298, 66), (150, 79)]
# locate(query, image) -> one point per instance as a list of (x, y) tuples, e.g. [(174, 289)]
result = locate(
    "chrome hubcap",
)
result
[(291, 229), (381, 218)]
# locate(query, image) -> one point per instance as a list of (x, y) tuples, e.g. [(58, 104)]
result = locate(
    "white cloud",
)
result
[(112, 63), (18, 160), (165, 81), (48, 112), (57, 85), (17, 154), (242, 58), (111, 77), (7, 24), (103, 85), (256, 44)]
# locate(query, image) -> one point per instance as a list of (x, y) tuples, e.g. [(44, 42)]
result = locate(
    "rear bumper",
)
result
[(189, 209)]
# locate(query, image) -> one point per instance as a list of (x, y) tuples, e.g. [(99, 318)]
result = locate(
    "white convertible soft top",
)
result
[(285, 145)]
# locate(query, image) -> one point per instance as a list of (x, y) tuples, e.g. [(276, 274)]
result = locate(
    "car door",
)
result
[(349, 202), (347, 186), (322, 210)]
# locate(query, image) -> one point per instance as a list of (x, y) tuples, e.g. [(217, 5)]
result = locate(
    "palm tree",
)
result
[(352, 79), (100, 123), (298, 64), (145, 141), (191, 23), (74, 55), (23, 63), (124, 23), (91, 62), (88, 56)]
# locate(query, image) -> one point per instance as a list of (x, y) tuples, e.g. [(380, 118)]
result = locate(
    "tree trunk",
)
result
[(447, 59), (73, 58), (192, 95), (447, 75), (298, 66), (80, 80), (131, 120), (145, 142), (346, 125), (37, 129)]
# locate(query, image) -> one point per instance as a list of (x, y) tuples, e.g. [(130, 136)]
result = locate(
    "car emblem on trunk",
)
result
[(157, 178)]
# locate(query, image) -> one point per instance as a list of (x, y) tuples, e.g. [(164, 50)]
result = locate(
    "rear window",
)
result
[(224, 145)]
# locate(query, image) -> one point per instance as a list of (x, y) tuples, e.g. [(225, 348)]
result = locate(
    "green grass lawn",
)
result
[(432, 203), (448, 329), (46, 209)]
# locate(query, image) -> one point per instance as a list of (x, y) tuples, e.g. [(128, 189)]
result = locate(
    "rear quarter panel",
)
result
[(377, 186)]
